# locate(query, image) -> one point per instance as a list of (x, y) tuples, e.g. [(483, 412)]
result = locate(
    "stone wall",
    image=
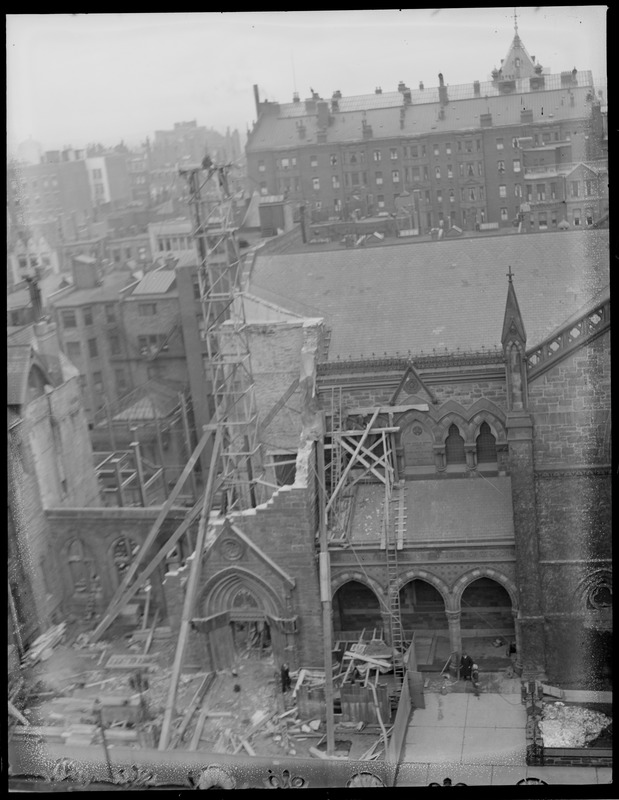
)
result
[(97, 529), (570, 405)]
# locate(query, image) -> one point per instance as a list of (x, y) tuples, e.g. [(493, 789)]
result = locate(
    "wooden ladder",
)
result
[(391, 550)]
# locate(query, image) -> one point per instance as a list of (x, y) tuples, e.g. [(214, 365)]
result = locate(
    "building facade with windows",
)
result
[(466, 154)]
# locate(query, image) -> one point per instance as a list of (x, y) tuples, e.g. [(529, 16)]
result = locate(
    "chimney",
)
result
[(295, 98), (35, 298), (442, 90), (378, 90), (322, 109), (337, 94), (257, 99), (84, 272), (48, 347), (408, 98), (421, 86), (335, 105), (533, 59), (401, 86), (476, 88), (310, 105)]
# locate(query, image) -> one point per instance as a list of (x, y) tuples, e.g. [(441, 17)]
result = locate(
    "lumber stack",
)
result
[(42, 647)]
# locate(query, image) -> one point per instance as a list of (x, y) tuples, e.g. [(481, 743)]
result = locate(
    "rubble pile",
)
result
[(571, 726)]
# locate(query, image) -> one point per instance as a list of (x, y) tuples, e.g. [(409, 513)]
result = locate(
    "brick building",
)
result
[(484, 155), (500, 425), (50, 464)]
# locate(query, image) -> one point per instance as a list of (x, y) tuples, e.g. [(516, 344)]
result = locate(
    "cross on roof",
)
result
[(510, 274)]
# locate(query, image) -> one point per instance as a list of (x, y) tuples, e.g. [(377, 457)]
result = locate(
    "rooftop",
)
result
[(383, 112), (108, 292), (159, 281), (436, 297)]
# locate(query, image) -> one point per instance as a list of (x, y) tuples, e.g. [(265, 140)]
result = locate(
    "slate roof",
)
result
[(108, 292), (443, 296), (382, 113), (157, 282)]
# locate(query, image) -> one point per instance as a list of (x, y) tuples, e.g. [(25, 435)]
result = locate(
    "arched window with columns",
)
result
[(454, 447), (486, 445)]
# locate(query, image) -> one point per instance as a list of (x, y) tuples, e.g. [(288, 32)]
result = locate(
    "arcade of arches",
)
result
[(484, 611)]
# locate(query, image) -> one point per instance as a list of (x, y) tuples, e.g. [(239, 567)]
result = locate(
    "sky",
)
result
[(73, 79)]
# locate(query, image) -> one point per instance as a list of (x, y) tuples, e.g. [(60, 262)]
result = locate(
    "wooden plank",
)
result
[(248, 748), (193, 706), (298, 683), (130, 662), (146, 607), (149, 641), (369, 659), (195, 739), (118, 601), (351, 463), (17, 714), (190, 591)]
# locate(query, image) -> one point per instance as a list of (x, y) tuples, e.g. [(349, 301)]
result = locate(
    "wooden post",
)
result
[(118, 599), (325, 590), (192, 474), (119, 481), (351, 463), (110, 424), (160, 448), (138, 468), (190, 592)]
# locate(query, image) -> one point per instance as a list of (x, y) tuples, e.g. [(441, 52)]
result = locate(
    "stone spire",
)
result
[(513, 340)]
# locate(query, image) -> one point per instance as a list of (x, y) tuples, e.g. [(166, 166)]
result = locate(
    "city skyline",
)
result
[(217, 58)]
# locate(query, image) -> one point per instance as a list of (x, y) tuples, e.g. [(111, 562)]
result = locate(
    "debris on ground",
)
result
[(571, 726)]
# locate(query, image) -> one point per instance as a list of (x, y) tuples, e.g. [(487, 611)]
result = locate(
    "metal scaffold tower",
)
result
[(228, 362)]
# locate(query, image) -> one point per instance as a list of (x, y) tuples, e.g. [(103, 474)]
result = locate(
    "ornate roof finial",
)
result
[(509, 274), (515, 21)]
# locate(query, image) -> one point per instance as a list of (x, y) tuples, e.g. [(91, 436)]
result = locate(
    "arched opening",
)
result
[(80, 567), (454, 447), (422, 610), (355, 608), (487, 624), (486, 446)]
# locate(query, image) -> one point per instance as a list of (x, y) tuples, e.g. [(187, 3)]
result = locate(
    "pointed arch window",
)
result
[(486, 445), (454, 447)]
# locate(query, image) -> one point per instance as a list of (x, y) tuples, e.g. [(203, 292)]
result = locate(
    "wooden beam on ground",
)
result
[(195, 739), (350, 465), (17, 714), (118, 600), (151, 633), (190, 591), (193, 706)]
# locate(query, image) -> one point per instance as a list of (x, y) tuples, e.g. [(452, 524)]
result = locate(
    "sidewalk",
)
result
[(478, 741)]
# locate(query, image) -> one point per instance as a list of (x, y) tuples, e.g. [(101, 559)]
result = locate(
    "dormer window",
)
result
[(517, 62)]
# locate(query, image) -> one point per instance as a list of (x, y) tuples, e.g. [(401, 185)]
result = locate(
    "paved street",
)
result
[(479, 741)]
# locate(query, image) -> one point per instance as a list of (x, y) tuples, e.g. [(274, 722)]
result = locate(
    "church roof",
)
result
[(437, 297)]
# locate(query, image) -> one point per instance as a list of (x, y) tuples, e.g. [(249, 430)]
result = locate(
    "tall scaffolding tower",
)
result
[(228, 361)]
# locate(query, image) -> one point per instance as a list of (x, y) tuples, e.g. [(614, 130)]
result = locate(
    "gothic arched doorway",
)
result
[(487, 623), (244, 615), (355, 608), (422, 610)]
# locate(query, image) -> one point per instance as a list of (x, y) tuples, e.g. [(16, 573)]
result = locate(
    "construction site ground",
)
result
[(243, 702)]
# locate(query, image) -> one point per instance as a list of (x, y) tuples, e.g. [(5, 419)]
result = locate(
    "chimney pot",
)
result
[(421, 85), (440, 79)]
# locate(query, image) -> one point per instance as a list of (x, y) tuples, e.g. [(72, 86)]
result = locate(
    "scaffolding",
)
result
[(357, 454), (228, 361)]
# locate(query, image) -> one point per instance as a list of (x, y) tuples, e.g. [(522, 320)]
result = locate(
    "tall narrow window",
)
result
[(486, 445), (454, 447)]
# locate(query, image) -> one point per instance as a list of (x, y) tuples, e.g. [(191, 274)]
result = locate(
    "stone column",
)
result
[(531, 650), (518, 664), (455, 639), (470, 451), (386, 618)]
